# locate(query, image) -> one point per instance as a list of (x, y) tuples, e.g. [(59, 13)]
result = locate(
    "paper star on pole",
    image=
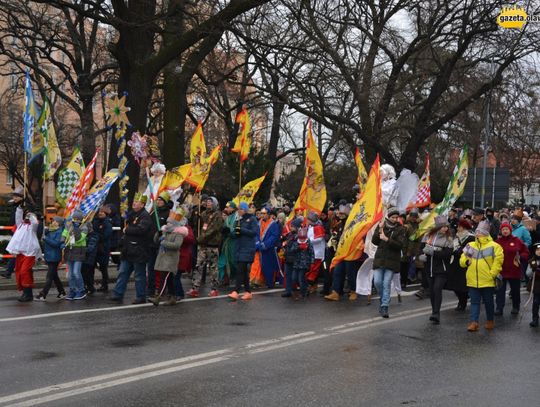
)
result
[(116, 110)]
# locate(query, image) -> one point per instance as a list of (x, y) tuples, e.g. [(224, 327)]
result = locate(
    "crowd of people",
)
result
[(475, 253)]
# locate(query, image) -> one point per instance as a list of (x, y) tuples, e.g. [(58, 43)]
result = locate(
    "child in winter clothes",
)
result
[(52, 243), (25, 245), (304, 256), (290, 234), (74, 236), (534, 282)]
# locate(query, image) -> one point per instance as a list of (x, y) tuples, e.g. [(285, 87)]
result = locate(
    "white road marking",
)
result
[(119, 307), (95, 383)]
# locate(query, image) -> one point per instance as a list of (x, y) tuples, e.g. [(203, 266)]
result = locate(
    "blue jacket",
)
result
[(52, 242), (247, 239), (103, 228), (522, 233)]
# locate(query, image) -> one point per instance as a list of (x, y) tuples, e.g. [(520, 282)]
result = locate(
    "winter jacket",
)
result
[(494, 227), (74, 242), (302, 257), (515, 253), (92, 241), (438, 250), (521, 232), (116, 221), (483, 259), (317, 234), (246, 238), (185, 262), (137, 237), (103, 228), (211, 225), (290, 256), (169, 248), (388, 254), (163, 215), (534, 264), (457, 280), (52, 243)]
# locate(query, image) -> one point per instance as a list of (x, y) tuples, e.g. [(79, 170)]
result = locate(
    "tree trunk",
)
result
[(88, 140)]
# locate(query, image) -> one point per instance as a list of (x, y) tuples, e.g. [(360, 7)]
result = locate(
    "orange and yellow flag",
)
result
[(312, 196), (174, 178), (243, 140), (197, 177), (362, 173), (197, 149), (367, 211), (248, 191)]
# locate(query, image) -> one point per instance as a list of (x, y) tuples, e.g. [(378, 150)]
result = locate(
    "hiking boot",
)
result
[(498, 312), (435, 319), (247, 296), (171, 300), (384, 312), (489, 325), (534, 323), (333, 296), (26, 295), (213, 293), (353, 296), (193, 293), (233, 296), (514, 311), (473, 326), (154, 300)]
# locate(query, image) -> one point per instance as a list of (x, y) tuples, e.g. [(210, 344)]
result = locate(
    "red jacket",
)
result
[(185, 263), (513, 249)]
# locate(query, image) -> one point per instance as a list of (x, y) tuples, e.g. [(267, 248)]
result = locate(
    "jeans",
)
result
[(344, 269), (436, 285), (10, 267), (126, 268), (178, 288), (242, 276), (288, 277), (75, 280), (299, 277), (52, 277), (515, 284), (382, 279), (151, 272), (485, 294)]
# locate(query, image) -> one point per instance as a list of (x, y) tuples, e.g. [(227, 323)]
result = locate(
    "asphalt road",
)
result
[(270, 351)]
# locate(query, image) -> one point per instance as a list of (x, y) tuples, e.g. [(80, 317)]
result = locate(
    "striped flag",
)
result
[(96, 196), (422, 197), (80, 190)]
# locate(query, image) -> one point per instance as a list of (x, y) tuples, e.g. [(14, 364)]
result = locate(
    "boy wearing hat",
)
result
[(316, 234), (74, 243), (483, 259), (52, 243), (135, 251)]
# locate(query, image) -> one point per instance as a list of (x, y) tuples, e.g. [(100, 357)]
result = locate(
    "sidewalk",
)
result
[(40, 273)]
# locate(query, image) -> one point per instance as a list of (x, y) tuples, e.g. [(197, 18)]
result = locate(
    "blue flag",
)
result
[(33, 140)]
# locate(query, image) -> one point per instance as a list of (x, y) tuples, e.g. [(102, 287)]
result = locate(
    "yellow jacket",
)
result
[(484, 262)]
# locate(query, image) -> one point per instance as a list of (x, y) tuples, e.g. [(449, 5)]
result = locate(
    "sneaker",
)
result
[(61, 295), (193, 293), (213, 293), (233, 296), (80, 296), (40, 297), (247, 296), (435, 319), (384, 312), (69, 297)]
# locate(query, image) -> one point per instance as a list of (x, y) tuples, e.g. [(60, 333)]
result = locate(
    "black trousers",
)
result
[(102, 262), (87, 271), (536, 305), (242, 276), (52, 277), (169, 281), (436, 285), (462, 296)]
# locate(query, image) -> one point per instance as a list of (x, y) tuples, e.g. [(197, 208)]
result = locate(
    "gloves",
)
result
[(428, 250)]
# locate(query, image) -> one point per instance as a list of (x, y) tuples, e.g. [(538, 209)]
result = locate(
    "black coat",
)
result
[(457, 279), (137, 237), (388, 254)]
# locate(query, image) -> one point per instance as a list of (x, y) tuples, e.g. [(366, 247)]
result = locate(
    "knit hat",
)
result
[(243, 206), (441, 221), (313, 217), (165, 196), (215, 202), (392, 211), (231, 204), (478, 211), (483, 228), (297, 222), (465, 223), (59, 220), (140, 198), (77, 215), (505, 225)]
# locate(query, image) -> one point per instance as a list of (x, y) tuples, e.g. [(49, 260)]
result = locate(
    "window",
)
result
[(9, 178)]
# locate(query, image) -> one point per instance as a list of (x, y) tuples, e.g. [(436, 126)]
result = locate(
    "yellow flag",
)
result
[(362, 173), (453, 192), (312, 196), (197, 150), (52, 156), (197, 176), (243, 140), (174, 178), (248, 191), (367, 211)]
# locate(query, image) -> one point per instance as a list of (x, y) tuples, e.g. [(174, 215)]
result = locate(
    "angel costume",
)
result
[(158, 172)]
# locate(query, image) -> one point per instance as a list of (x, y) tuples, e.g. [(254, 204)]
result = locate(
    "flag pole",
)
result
[(24, 175), (240, 177)]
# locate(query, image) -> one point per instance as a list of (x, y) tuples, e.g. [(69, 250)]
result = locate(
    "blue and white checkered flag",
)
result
[(96, 196)]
